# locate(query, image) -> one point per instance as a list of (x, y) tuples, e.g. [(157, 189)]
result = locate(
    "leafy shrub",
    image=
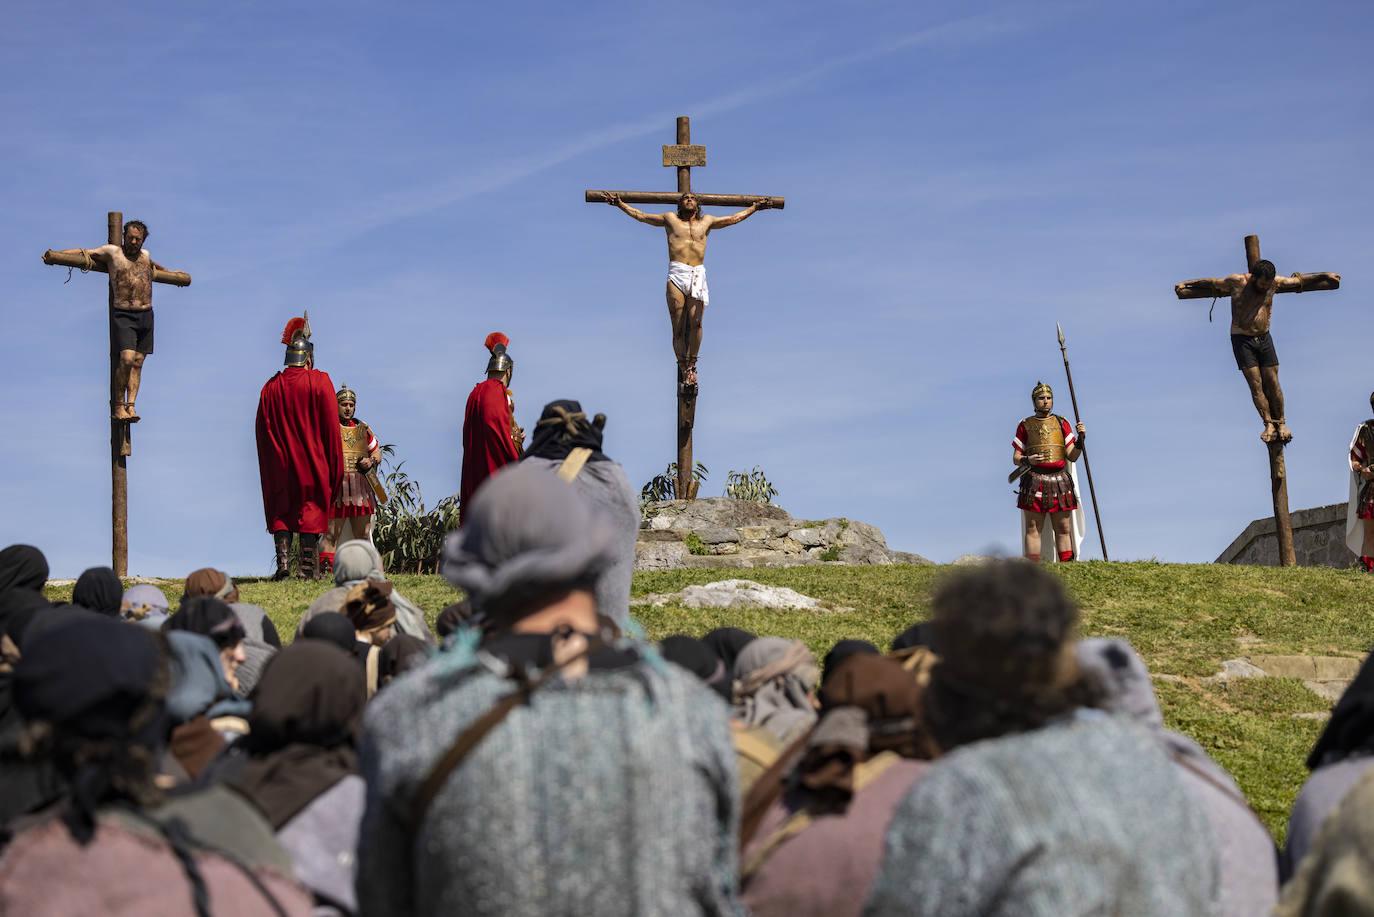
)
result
[(661, 486), (695, 545), (407, 534), (753, 486)]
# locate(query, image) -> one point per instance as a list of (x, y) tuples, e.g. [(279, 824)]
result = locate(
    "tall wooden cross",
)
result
[(120, 444), (1278, 475), (684, 156)]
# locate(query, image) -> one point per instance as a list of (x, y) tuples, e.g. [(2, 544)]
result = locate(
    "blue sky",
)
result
[(959, 177)]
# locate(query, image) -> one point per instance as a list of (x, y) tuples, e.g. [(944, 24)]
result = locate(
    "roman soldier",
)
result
[(1359, 517), (491, 437), (358, 491), (300, 456), (1045, 447)]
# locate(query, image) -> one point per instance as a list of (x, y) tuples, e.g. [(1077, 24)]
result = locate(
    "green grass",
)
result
[(1183, 619)]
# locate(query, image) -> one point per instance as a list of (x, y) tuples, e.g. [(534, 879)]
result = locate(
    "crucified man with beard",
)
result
[(686, 289)]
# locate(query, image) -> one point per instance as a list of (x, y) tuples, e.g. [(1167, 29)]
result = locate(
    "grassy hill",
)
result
[(1183, 619)]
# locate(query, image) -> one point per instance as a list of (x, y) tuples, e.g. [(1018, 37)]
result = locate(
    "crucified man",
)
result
[(1252, 302), (686, 289), (131, 274)]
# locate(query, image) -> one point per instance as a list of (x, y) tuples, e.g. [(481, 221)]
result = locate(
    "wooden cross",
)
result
[(120, 444), (1278, 476), (684, 156)]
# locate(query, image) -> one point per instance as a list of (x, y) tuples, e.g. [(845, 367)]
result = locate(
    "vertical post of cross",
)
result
[(120, 445), (686, 401), (1278, 472)]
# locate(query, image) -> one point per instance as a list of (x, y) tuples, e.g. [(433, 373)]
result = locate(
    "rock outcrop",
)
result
[(720, 533)]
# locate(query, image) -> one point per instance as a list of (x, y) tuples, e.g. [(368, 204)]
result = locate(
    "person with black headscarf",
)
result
[(91, 691), (99, 590), (1341, 756), (298, 764), (22, 566), (726, 642), (566, 443)]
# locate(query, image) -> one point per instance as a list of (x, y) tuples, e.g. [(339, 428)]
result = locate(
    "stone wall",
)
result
[(1318, 540), (717, 532)]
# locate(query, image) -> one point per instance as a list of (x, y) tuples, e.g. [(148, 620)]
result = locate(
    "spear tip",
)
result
[(1061, 333)]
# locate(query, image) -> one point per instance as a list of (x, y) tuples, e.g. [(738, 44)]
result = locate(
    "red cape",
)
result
[(300, 452), (486, 438)]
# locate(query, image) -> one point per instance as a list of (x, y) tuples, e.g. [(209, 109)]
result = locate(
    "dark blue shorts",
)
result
[(1254, 350)]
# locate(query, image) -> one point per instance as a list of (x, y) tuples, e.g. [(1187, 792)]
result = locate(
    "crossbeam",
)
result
[(62, 259), (670, 198)]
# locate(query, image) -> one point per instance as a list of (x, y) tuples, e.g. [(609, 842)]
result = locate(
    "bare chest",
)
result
[(133, 280)]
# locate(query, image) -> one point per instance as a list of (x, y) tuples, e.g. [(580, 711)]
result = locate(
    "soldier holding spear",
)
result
[(1044, 450)]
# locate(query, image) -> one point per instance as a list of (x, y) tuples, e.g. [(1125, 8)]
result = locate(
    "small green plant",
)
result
[(753, 486), (695, 545), (661, 486), (831, 553), (409, 536)]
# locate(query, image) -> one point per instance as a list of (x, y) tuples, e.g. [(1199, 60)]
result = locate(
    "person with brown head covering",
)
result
[(813, 836), (369, 609), (358, 562), (298, 764), (1039, 803), (260, 638), (91, 690)]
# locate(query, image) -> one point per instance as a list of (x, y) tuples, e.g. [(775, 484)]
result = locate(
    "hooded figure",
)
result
[(774, 683), (566, 443), (260, 639), (1342, 755), (92, 688), (205, 713), (596, 778), (22, 566), (98, 590), (299, 767), (813, 838), (145, 605), (1249, 866), (357, 562)]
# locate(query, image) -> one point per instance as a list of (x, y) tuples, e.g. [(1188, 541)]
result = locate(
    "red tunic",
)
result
[(300, 454), (486, 438)]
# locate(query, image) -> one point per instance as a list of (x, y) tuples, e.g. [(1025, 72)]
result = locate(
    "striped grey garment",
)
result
[(1084, 816), (613, 794)]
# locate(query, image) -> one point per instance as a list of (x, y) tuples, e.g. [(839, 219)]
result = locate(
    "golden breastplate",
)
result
[(354, 444), (1045, 435)]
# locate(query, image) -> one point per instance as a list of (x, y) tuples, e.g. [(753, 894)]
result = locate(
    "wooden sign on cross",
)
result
[(1250, 305), (120, 443), (690, 276)]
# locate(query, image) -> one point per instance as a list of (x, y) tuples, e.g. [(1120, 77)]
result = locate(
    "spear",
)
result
[(1086, 467)]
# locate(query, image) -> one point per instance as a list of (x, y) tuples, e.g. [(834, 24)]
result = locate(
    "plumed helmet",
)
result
[(296, 337), (500, 360), (346, 394)]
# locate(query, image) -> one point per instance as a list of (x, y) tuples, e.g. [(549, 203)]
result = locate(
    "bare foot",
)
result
[(1285, 434), (131, 414), (689, 380), (1270, 432)]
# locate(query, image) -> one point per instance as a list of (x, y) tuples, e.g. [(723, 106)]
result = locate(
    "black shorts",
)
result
[(133, 330), (1254, 350)]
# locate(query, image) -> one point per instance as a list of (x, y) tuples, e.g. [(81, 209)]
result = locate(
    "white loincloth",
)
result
[(1048, 550), (690, 280), (1354, 530)]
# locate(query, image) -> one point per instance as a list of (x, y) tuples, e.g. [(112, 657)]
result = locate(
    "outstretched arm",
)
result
[(652, 219), (95, 254), (1298, 283), (1208, 287), (738, 216)]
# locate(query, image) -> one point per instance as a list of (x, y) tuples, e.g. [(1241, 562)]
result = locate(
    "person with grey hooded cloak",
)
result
[(542, 764), (358, 561), (567, 444), (1246, 855)]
